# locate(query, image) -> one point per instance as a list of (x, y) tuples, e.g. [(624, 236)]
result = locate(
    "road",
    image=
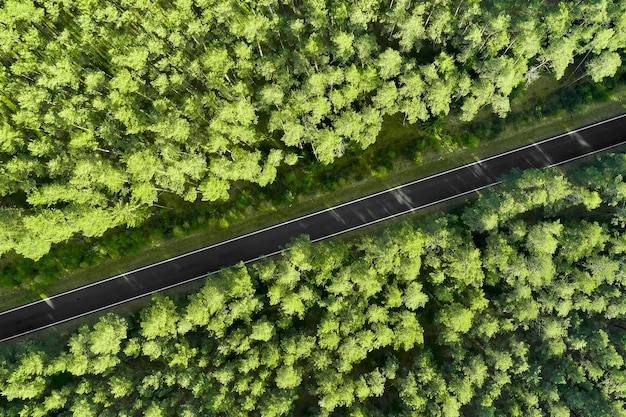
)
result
[(320, 225)]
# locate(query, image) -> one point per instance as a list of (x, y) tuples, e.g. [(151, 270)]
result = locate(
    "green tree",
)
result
[(159, 319), (604, 65)]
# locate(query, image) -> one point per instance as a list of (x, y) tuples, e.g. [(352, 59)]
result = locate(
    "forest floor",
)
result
[(394, 136)]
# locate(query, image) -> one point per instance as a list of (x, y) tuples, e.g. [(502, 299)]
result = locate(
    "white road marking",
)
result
[(402, 197), (579, 138), (546, 157), (48, 301), (337, 217)]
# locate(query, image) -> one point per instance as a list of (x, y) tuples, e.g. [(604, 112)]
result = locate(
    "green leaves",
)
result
[(26, 379), (414, 298), (108, 334), (604, 65), (159, 320), (389, 64), (188, 98), (515, 309), (497, 320), (288, 377)]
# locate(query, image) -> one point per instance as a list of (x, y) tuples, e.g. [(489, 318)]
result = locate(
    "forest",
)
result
[(107, 106), (512, 305)]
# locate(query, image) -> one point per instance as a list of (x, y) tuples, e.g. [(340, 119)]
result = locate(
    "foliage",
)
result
[(107, 105), (520, 314)]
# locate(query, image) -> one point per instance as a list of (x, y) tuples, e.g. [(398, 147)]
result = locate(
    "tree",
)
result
[(107, 335), (527, 43), (26, 379), (408, 331), (411, 29), (579, 243), (288, 377), (82, 407), (456, 319), (389, 64), (159, 319), (439, 22), (604, 65), (121, 386), (386, 98), (543, 238), (343, 45), (559, 54), (439, 95), (414, 298), (213, 189), (413, 106)]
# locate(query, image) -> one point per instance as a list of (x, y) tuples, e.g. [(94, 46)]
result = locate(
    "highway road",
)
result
[(320, 225)]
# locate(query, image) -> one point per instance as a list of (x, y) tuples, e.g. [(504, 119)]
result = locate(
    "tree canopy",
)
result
[(106, 105), (523, 314)]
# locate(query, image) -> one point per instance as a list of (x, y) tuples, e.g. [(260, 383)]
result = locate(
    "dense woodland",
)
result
[(106, 105), (514, 305)]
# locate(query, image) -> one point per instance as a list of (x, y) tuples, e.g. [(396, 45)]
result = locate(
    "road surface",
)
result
[(320, 225)]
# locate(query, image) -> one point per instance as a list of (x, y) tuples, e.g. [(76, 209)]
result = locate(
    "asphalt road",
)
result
[(320, 225)]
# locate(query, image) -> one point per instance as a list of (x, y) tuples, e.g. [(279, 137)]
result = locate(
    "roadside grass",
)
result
[(397, 141)]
